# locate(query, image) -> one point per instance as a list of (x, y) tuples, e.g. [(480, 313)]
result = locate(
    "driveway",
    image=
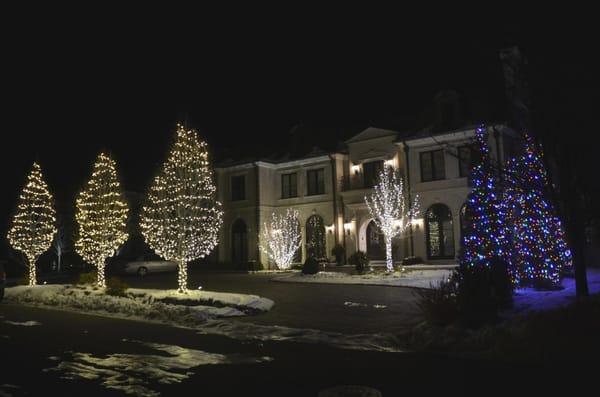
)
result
[(342, 308)]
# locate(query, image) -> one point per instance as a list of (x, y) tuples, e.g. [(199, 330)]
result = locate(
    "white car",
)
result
[(143, 266)]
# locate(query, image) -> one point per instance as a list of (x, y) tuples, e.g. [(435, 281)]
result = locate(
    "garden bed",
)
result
[(151, 305)]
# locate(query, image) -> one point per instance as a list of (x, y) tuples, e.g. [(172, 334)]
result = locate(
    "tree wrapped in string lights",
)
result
[(182, 217), (281, 238), (539, 248), (486, 240), (390, 208), (34, 224), (101, 215)]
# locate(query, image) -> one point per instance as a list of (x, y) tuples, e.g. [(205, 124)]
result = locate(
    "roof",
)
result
[(372, 133)]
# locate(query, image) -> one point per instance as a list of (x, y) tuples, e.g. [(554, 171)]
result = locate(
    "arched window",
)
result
[(440, 233), (239, 242), (315, 237), (375, 242)]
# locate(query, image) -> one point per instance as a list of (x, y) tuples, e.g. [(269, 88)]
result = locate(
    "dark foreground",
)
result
[(44, 358)]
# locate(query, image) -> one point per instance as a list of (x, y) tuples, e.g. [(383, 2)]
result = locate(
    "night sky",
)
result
[(70, 93)]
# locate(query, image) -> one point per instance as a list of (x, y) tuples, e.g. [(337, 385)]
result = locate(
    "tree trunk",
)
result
[(182, 278), (32, 275), (388, 254), (101, 278)]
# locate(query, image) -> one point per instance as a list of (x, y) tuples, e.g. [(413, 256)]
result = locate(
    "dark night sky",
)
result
[(72, 92)]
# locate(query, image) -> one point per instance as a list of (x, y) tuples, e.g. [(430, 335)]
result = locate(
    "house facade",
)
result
[(328, 190)]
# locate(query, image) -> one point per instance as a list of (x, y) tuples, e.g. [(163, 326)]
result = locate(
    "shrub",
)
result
[(439, 303), (311, 266), (412, 260), (360, 261), (87, 278), (472, 296), (338, 251), (116, 287)]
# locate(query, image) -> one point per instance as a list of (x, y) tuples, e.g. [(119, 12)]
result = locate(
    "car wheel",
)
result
[(142, 271)]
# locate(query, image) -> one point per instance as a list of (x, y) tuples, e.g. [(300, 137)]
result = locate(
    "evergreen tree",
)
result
[(485, 242), (34, 224), (539, 249), (182, 217), (101, 214)]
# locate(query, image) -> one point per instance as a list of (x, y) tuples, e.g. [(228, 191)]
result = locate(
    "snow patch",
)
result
[(137, 374), (410, 278), (141, 304), (29, 323), (254, 332), (222, 298), (529, 299)]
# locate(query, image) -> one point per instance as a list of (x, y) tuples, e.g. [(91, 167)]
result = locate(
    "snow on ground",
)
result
[(136, 374), (528, 299), (138, 305), (409, 278), (30, 323), (220, 298), (384, 342)]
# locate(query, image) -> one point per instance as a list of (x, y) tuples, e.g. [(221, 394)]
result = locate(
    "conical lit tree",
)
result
[(486, 240), (540, 250), (101, 214), (391, 210), (182, 217), (34, 224), (281, 238)]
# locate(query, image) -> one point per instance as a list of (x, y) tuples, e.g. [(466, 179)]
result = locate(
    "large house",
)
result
[(328, 190)]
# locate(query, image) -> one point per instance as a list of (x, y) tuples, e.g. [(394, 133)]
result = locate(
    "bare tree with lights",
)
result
[(281, 238), (34, 224), (391, 210), (182, 217), (101, 214)]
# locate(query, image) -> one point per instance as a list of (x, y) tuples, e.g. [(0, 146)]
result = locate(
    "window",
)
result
[(289, 185), (371, 172), (315, 182), (467, 158), (439, 232), (238, 188), (432, 166)]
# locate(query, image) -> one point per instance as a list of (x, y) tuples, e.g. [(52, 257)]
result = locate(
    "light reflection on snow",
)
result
[(134, 373)]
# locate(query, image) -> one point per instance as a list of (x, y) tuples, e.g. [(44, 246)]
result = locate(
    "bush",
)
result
[(472, 296), (116, 287), (360, 261), (412, 260), (338, 251), (311, 266), (439, 303), (88, 278)]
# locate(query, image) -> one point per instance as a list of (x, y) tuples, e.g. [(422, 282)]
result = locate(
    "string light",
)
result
[(281, 238), (181, 218), (486, 234), (34, 224), (539, 248), (101, 216), (388, 205)]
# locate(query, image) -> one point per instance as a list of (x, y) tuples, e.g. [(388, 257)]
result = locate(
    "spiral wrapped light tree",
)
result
[(101, 214), (182, 217), (390, 208), (34, 224), (281, 238)]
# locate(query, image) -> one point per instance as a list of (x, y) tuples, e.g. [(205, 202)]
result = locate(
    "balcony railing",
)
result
[(353, 182)]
